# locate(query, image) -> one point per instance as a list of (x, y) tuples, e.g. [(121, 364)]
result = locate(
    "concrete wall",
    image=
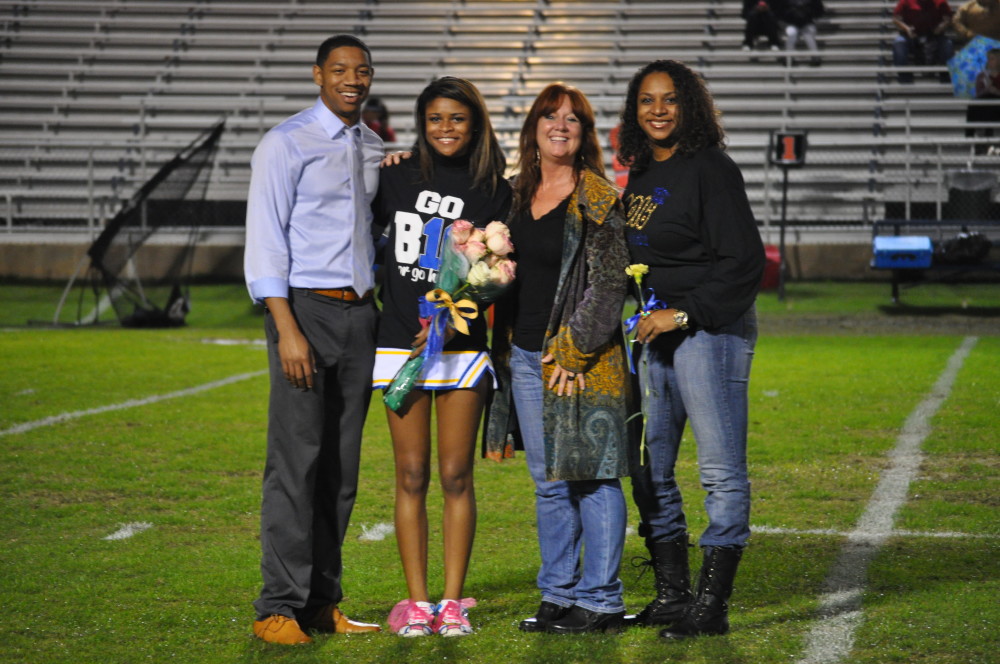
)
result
[(53, 261), (58, 262), (831, 261)]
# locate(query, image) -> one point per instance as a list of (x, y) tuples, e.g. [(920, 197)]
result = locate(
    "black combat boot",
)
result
[(673, 584), (708, 613)]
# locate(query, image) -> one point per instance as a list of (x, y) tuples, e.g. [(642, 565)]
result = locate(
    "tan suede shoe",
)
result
[(280, 629), (332, 619)]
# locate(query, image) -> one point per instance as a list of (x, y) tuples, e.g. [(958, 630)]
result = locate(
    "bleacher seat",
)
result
[(99, 90)]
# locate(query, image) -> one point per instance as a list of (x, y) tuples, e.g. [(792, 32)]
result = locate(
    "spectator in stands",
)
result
[(376, 116), (800, 17), (977, 17), (760, 22), (560, 357), (981, 18), (455, 172), (988, 80), (987, 87), (308, 260), (689, 222), (922, 25)]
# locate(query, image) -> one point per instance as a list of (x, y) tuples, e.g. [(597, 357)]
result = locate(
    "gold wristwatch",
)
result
[(681, 319)]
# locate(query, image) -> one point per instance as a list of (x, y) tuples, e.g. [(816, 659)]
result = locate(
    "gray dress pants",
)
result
[(313, 450)]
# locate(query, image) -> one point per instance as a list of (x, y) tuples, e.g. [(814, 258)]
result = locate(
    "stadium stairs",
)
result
[(96, 95)]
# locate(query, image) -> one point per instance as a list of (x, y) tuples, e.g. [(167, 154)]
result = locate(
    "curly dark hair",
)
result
[(697, 124)]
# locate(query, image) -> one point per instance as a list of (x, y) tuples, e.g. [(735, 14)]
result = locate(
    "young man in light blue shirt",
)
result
[(308, 259)]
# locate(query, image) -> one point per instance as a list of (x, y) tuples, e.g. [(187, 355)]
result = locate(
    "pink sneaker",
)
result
[(452, 617), (409, 618)]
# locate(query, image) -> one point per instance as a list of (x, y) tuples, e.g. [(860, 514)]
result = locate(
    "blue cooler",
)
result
[(902, 251)]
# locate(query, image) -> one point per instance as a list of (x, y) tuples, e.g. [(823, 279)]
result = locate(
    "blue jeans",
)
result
[(570, 514), (701, 377), (926, 50)]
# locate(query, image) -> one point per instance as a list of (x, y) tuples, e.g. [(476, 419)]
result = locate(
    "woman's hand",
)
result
[(655, 324), (564, 378), (420, 341), (394, 158)]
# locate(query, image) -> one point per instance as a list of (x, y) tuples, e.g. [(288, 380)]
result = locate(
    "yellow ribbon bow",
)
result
[(460, 311)]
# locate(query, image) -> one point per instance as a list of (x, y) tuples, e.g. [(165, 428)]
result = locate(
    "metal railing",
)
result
[(908, 168)]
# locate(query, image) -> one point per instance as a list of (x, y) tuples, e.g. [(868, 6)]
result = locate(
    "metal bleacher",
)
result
[(95, 95)]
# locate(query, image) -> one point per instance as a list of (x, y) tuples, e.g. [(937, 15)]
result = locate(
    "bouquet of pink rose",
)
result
[(476, 262), (475, 265)]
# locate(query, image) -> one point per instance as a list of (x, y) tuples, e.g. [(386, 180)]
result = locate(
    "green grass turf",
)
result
[(875, 298), (959, 489), (825, 409)]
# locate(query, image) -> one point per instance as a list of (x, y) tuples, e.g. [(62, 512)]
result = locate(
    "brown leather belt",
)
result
[(345, 294)]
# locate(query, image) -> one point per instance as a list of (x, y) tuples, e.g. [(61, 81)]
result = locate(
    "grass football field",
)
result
[(130, 465)]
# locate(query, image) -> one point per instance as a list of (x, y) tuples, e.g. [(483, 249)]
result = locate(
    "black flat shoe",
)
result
[(580, 621), (547, 612)]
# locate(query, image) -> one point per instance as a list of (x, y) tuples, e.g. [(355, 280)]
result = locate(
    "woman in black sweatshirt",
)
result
[(688, 220)]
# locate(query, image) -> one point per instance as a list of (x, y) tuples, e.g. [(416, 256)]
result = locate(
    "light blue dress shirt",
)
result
[(302, 209)]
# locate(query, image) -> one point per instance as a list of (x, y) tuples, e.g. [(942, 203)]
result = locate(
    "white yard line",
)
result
[(832, 636), (944, 534), (128, 530), (236, 342), (131, 403), (376, 532)]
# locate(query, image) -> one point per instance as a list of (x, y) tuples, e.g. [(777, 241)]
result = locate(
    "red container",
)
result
[(772, 267)]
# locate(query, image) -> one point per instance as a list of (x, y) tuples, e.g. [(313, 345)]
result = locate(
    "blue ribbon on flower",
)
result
[(645, 309), (649, 306), (437, 318), (409, 373)]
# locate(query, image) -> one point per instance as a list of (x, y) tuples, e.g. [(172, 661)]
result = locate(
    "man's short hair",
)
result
[(338, 41)]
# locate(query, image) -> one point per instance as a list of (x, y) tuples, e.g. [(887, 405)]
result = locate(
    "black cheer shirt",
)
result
[(416, 214)]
